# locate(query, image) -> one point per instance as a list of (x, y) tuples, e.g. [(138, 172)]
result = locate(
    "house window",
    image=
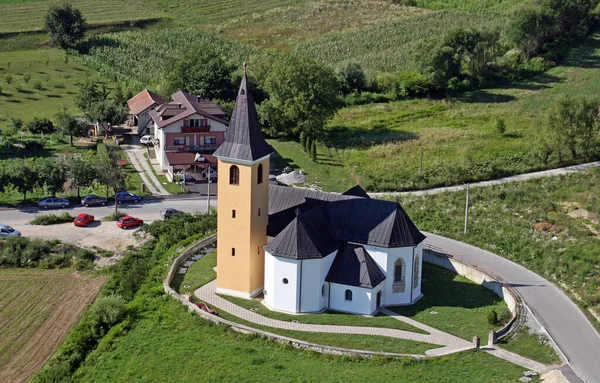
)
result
[(416, 271), (399, 271), (259, 212), (233, 251), (210, 140), (192, 123), (259, 178), (349, 295), (323, 290), (234, 175), (285, 281), (179, 141), (233, 214), (203, 122)]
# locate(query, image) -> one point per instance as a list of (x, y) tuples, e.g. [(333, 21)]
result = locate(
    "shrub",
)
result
[(33, 145), (492, 318), (500, 126), (307, 144), (8, 78), (313, 151), (303, 140), (109, 310), (52, 219), (412, 84), (26, 78), (114, 216), (38, 85), (40, 125)]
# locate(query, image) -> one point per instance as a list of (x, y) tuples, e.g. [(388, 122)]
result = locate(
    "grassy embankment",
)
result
[(379, 145)]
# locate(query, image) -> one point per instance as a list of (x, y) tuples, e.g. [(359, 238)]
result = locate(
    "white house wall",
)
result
[(313, 273), (386, 258), (278, 295), (363, 300)]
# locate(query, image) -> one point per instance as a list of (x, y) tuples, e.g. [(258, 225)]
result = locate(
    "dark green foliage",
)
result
[(107, 112), (203, 73), (33, 145), (37, 85), (530, 28), (118, 96), (87, 95), (52, 219), (353, 78), (8, 78), (500, 125), (412, 84), (65, 24), (114, 216), (16, 124), (303, 96), (52, 175), (307, 144), (108, 172), (25, 252), (23, 175), (492, 318), (40, 125), (82, 170), (68, 125), (303, 140), (313, 151)]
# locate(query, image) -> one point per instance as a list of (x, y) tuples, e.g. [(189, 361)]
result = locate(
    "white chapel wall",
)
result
[(279, 295), (314, 272), (360, 303)]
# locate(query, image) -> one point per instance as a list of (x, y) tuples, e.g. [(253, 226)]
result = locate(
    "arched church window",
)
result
[(399, 271), (259, 175), (234, 175), (416, 271), (323, 290), (348, 295)]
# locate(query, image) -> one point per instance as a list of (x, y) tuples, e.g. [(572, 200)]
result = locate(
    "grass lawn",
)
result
[(453, 304), (171, 345), (379, 145), (528, 345), (549, 226), (28, 15), (171, 187), (40, 84), (199, 274), (37, 309)]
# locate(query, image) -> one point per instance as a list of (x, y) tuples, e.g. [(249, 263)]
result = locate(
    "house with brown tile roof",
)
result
[(140, 106)]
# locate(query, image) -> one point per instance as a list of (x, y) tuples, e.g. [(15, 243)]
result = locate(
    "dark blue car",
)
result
[(124, 197)]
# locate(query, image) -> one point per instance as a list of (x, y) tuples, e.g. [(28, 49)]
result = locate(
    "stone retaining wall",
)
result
[(485, 278)]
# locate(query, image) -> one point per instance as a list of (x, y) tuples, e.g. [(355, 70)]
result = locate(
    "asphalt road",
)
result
[(568, 326)]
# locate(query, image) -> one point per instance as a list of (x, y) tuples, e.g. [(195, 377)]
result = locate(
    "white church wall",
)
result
[(360, 303), (313, 273), (395, 293), (279, 295)]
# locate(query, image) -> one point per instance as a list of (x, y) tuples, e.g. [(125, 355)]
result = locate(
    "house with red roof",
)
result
[(187, 130), (140, 106)]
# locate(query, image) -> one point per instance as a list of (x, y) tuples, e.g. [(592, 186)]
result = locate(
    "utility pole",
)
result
[(467, 210), (208, 190)]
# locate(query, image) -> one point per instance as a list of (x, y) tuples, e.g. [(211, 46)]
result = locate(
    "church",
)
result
[(306, 251)]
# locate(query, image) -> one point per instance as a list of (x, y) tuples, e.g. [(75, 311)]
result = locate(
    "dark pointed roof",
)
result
[(353, 266), (308, 236), (243, 139), (356, 191)]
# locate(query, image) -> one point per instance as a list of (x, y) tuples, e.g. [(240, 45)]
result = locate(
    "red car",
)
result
[(128, 221), (83, 220)]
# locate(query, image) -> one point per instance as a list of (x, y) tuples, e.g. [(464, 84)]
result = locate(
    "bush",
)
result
[(33, 145), (40, 125), (26, 78), (500, 126), (109, 310), (492, 318), (52, 219), (38, 85), (8, 78), (114, 216), (412, 84)]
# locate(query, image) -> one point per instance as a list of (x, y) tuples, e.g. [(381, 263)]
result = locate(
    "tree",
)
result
[(87, 95), (353, 77), (23, 175), (203, 73), (303, 140), (303, 96), (307, 143), (65, 24), (530, 28), (118, 96), (69, 125), (574, 126), (313, 151), (52, 175), (107, 112), (40, 125), (83, 171), (109, 172)]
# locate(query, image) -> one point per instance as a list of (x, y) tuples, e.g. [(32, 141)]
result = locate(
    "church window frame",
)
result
[(416, 270), (259, 174), (234, 175), (348, 295)]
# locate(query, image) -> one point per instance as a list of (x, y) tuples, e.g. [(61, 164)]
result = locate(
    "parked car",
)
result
[(93, 200), (7, 231), (128, 221), (47, 202), (83, 219), (147, 139), (168, 213), (124, 197), (119, 139)]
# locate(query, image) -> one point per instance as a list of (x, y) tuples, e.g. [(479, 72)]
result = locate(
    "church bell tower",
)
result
[(243, 201)]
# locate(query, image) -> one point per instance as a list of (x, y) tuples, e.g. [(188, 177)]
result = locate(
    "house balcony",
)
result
[(195, 129), (208, 149)]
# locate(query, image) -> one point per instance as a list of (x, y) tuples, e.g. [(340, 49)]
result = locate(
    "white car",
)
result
[(147, 139), (7, 231)]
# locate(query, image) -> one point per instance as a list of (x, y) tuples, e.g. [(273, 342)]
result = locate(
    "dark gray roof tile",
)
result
[(354, 266)]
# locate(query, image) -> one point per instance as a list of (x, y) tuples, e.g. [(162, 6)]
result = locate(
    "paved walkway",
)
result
[(562, 319), (136, 157), (518, 359), (520, 177), (451, 343)]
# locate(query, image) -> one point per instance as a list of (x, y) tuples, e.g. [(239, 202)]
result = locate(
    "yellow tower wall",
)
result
[(243, 274)]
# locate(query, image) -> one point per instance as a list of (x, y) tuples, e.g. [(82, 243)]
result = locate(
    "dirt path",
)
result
[(32, 356)]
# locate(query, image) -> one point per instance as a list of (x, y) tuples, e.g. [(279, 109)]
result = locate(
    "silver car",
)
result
[(168, 213), (53, 202), (7, 231)]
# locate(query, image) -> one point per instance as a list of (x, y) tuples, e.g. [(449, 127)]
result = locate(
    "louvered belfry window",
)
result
[(234, 175), (259, 178)]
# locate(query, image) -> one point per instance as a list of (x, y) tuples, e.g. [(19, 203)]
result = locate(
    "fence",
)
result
[(439, 257)]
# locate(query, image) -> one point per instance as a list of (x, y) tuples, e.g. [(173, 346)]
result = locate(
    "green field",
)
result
[(549, 226), (24, 15), (379, 145), (172, 345), (37, 308)]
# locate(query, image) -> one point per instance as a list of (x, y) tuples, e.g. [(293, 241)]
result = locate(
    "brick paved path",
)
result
[(449, 342)]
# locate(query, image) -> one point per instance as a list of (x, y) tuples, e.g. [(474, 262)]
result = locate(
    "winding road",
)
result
[(564, 321)]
